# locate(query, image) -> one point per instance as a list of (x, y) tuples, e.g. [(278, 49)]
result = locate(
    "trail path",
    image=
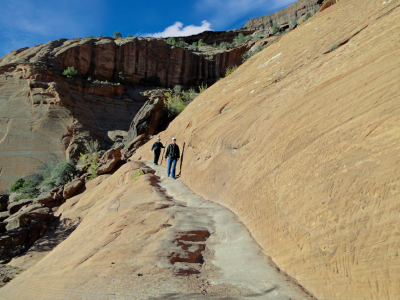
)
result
[(231, 256)]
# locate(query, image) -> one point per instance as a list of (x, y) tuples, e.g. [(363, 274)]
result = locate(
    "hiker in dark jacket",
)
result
[(173, 156), (157, 150)]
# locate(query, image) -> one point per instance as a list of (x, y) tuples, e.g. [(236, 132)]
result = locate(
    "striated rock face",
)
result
[(44, 116), (285, 16), (302, 143), (136, 58)]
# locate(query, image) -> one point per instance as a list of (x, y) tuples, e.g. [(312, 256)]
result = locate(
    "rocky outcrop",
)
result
[(71, 187), (151, 118), (109, 160), (285, 16)]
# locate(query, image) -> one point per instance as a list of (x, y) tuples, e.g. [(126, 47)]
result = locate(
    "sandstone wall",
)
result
[(136, 58), (45, 117), (302, 143), (284, 16)]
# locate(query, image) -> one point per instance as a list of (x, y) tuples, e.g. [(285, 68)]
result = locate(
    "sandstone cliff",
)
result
[(302, 143), (285, 16), (43, 114), (137, 58)]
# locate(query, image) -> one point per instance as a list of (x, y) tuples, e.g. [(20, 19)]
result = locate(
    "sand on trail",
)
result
[(150, 237)]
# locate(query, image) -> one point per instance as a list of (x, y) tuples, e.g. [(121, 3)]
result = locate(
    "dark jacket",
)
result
[(157, 146), (172, 151)]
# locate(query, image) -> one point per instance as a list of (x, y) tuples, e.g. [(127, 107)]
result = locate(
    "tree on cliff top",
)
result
[(117, 35)]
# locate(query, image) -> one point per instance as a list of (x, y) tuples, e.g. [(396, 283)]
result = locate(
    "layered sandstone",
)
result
[(45, 116), (302, 143), (285, 16), (136, 58)]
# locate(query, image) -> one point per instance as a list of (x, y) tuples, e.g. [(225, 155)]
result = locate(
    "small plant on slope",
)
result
[(229, 71), (90, 157), (70, 72), (137, 174)]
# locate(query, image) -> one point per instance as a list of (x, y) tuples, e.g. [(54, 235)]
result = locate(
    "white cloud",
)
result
[(178, 29), (226, 12)]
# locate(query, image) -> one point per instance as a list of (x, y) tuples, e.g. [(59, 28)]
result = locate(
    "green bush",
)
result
[(137, 174), (239, 39), (308, 15), (202, 88), (63, 173), (121, 78), (70, 72), (250, 53), (174, 104), (194, 44), (294, 22), (275, 28), (181, 43), (117, 35), (171, 41), (215, 44), (17, 185), (201, 43), (333, 47), (229, 71), (189, 95)]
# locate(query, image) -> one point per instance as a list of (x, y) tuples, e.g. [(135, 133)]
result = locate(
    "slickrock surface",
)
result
[(302, 144), (150, 238)]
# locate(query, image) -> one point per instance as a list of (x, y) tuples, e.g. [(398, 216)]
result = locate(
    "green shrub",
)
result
[(137, 174), (117, 35), (121, 78), (70, 72), (90, 157), (201, 43), (275, 28), (333, 47), (239, 39), (17, 185), (229, 71), (215, 44), (178, 89), (130, 35), (202, 88), (63, 173), (256, 37), (171, 41), (294, 22), (174, 104), (181, 43), (189, 95), (250, 53), (308, 15), (194, 44)]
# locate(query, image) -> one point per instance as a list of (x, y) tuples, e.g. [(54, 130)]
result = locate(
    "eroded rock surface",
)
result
[(302, 143)]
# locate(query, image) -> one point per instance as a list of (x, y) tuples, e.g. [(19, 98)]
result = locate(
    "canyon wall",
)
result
[(46, 116), (302, 143), (136, 58), (285, 16)]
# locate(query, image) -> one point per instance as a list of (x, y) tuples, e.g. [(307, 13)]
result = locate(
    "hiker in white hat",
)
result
[(157, 150), (173, 156)]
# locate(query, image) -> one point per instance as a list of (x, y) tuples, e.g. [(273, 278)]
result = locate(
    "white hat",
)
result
[(158, 139), (174, 138)]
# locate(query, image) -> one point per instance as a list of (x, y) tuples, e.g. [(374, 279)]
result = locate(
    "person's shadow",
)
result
[(180, 167)]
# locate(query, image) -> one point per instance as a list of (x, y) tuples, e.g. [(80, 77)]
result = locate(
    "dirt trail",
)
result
[(231, 256)]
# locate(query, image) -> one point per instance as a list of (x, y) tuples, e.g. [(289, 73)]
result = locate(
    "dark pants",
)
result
[(156, 157), (172, 162)]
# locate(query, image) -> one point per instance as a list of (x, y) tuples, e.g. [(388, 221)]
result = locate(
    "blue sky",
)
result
[(25, 23)]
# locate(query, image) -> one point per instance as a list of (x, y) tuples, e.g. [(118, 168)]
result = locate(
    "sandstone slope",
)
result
[(302, 143), (149, 237)]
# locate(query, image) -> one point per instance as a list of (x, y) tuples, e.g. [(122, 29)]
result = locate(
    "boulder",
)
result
[(19, 218), (150, 119), (3, 202), (4, 215), (17, 205), (135, 143), (52, 198), (117, 136), (71, 187), (109, 160)]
